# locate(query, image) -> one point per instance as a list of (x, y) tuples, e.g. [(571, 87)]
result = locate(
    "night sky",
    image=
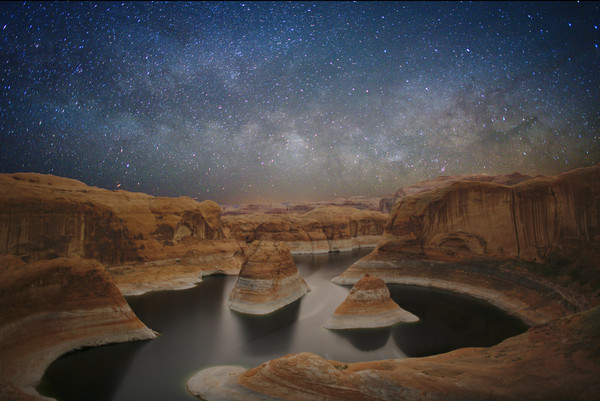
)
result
[(243, 102)]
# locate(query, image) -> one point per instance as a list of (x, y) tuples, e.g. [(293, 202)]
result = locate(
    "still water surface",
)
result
[(198, 331)]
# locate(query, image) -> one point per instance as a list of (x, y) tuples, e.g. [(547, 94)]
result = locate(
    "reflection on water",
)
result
[(257, 329), (366, 339), (198, 330)]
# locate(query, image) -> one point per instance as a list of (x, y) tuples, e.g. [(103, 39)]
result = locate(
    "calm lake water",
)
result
[(198, 331)]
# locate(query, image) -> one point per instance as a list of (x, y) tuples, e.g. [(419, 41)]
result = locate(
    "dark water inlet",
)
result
[(198, 331)]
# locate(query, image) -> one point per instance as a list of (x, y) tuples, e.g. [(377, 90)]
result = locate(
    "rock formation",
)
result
[(368, 305), (321, 230), (386, 203), (50, 307), (267, 281), (555, 361), (530, 248), (356, 202), (44, 217)]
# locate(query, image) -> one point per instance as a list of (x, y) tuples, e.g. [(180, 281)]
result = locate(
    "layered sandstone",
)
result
[(556, 361), (368, 305), (267, 281), (50, 307), (530, 248), (44, 217), (356, 202), (321, 230), (386, 203)]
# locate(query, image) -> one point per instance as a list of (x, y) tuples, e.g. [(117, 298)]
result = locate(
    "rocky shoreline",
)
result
[(49, 308)]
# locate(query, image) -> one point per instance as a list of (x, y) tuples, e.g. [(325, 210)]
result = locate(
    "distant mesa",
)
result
[(368, 305), (267, 281)]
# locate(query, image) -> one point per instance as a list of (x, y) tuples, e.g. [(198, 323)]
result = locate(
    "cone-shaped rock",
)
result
[(267, 281), (368, 306)]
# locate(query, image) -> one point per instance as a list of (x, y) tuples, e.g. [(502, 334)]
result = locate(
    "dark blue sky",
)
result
[(243, 101)]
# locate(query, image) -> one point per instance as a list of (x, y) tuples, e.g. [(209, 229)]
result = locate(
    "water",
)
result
[(199, 331)]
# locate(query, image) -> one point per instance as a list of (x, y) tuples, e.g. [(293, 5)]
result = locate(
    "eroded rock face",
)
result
[(356, 202), (555, 361), (321, 230), (267, 281), (529, 248), (50, 307), (44, 217), (386, 203), (533, 220), (368, 305)]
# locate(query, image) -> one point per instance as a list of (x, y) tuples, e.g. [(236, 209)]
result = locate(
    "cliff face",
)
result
[(534, 220), (321, 230), (267, 281), (356, 202), (148, 242), (48, 308), (530, 248), (386, 203), (556, 361), (43, 216)]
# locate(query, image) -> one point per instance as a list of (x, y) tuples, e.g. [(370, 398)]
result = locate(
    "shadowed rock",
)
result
[(368, 305), (267, 281), (51, 307)]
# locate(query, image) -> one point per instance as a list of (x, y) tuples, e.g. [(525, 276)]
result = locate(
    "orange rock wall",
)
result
[(43, 217), (532, 220), (324, 229), (50, 307)]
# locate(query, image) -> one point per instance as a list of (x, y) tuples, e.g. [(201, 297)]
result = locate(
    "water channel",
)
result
[(198, 331)]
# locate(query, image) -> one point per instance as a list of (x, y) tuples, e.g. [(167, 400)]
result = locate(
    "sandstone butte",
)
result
[(50, 307), (530, 247), (368, 305), (146, 242), (320, 230), (267, 281)]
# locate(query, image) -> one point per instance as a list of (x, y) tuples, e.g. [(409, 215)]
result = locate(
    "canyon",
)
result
[(529, 245)]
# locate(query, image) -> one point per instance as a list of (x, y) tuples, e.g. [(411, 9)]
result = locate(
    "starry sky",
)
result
[(294, 101)]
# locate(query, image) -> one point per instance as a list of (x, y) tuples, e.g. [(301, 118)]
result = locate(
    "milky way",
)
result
[(240, 102)]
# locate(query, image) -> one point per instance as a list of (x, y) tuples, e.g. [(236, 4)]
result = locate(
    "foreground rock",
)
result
[(530, 248), (556, 361), (321, 230), (267, 281), (44, 217), (48, 308), (368, 305)]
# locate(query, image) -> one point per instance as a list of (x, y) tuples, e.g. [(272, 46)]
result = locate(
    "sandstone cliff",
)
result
[(44, 217), (356, 202), (267, 281), (556, 361), (48, 308), (530, 248), (386, 203), (321, 230), (368, 305)]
